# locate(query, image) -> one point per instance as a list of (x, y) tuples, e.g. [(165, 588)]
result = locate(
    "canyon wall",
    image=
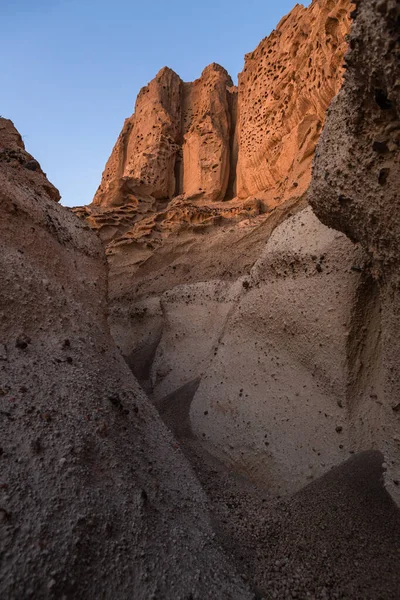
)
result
[(96, 498), (256, 361), (143, 159), (176, 142), (267, 339), (280, 328)]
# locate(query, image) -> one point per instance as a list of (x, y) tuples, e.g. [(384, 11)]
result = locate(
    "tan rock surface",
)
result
[(177, 141), (285, 88), (96, 498), (143, 159)]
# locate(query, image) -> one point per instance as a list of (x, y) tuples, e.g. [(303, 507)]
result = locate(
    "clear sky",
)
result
[(71, 69)]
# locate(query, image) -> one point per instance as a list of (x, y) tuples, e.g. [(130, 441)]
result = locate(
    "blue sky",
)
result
[(71, 69)]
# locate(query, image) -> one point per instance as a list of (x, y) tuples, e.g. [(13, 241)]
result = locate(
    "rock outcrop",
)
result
[(356, 175), (176, 142), (205, 143), (96, 498), (208, 126), (21, 166), (143, 159), (261, 356), (355, 189)]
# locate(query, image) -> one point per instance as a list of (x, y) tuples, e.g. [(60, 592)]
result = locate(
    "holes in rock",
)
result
[(382, 100), (343, 200), (383, 176), (380, 147)]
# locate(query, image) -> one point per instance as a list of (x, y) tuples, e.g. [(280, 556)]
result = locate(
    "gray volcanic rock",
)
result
[(96, 498), (264, 354), (355, 189), (356, 175)]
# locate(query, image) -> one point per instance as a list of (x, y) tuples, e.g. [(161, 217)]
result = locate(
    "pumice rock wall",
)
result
[(264, 355), (96, 498), (355, 188)]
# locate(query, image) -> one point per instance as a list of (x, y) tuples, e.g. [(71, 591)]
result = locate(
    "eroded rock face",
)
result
[(207, 127), (261, 360), (285, 88), (143, 159), (177, 141), (192, 321), (96, 499), (22, 168), (356, 175), (208, 141), (355, 189)]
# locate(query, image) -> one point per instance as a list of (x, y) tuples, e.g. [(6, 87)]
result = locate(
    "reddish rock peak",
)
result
[(177, 141), (216, 68)]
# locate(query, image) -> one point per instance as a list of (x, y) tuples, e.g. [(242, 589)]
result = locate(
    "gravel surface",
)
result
[(339, 537)]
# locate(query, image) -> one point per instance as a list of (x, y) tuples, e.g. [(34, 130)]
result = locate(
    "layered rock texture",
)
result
[(262, 356), (96, 498), (176, 142), (285, 88)]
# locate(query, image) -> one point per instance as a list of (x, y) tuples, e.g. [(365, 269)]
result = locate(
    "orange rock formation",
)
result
[(177, 141), (210, 141), (285, 89)]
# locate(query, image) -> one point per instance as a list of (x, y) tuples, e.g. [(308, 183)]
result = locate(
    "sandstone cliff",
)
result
[(285, 88), (207, 129), (202, 143), (177, 141)]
